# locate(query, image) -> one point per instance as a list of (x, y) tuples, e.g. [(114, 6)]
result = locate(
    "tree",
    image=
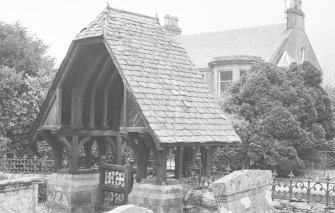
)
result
[(330, 89), (282, 116), (19, 107), (22, 51), (26, 73)]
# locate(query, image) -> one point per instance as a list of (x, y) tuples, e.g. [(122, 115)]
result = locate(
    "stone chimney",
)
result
[(171, 25), (295, 15)]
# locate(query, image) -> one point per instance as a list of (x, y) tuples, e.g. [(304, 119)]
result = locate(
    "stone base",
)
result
[(160, 199), (70, 193)]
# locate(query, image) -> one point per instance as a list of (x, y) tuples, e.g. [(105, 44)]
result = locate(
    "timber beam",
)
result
[(140, 130), (86, 132)]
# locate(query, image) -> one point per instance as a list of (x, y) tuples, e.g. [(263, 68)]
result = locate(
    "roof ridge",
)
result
[(231, 30), (131, 13)]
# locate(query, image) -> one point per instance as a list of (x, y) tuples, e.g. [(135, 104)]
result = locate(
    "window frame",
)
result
[(224, 81)]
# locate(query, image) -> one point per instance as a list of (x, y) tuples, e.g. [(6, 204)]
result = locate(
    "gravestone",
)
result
[(246, 191)]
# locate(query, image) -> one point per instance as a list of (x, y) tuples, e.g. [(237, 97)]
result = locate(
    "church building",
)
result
[(222, 57)]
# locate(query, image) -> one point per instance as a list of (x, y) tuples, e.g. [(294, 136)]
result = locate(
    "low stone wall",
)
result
[(246, 191), (18, 193)]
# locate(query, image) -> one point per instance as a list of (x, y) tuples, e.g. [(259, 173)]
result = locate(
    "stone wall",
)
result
[(18, 193), (244, 191)]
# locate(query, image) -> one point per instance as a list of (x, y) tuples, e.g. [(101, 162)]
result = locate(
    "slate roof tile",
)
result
[(170, 92), (204, 47)]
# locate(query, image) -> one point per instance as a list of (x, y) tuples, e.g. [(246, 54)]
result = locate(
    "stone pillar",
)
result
[(72, 193), (159, 198), (244, 191)]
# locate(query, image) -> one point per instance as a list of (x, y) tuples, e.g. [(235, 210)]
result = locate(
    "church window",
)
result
[(302, 54), (226, 78)]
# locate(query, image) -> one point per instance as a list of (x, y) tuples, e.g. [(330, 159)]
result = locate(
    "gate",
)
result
[(116, 182)]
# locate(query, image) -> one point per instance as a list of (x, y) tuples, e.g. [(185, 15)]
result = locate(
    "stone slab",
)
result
[(130, 209)]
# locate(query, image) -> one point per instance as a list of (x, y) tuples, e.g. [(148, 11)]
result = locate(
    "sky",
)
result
[(58, 22)]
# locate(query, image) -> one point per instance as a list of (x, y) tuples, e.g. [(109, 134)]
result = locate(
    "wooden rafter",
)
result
[(101, 75), (79, 91), (105, 99)]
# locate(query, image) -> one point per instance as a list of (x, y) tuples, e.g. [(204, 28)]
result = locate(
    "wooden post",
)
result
[(127, 180), (187, 160), (209, 152), (119, 150), (179, 163), (146, 153), (101, 195), (161, 167), (58, 157), (88, 154), (140, 156), (75, 155), (176, 162)]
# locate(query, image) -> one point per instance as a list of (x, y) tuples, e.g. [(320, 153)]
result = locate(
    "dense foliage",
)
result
[(330, 89), (26, 73), (282, 116), (22, 51)]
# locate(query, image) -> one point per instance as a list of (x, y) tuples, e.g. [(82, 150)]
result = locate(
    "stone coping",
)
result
[(152, 181), (80, 171), (241, 181), (21, 179)]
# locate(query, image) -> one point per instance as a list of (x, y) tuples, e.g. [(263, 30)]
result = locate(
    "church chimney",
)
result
[(295, 15), (171, 25)]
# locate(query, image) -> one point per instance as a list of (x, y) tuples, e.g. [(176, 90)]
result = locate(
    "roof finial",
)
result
[(108, 7)]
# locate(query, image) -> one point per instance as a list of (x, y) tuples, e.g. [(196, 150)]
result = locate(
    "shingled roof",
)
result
[(261, 41), (174, 99)]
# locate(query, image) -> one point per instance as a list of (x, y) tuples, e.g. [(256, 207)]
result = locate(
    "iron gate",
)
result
[(116, 182)]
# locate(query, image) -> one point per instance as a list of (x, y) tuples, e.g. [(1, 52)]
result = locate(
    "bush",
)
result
[(282, 116)]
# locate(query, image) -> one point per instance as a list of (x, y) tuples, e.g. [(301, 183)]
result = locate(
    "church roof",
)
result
[(261, 41), (174, 99)]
